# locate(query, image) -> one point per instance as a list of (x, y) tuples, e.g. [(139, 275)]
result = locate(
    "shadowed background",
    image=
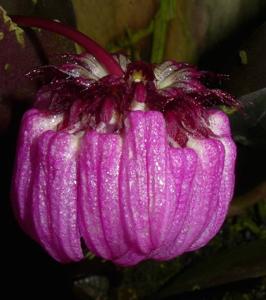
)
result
[(219, 35)]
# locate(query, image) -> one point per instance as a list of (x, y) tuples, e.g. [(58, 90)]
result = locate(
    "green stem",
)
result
[(165, 14)]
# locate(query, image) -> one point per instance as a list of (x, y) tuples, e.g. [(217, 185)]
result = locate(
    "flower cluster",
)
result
[(128, 160), (139, 166)]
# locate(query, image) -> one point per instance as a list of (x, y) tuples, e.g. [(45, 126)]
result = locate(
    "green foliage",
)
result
[(165, 14), (157, 28)]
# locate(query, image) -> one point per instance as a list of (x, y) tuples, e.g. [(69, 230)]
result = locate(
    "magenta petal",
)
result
[(130, 197), (215, 183), (183, 178), (100, 201), (200, 194), (109, 203), (208, 171), (99, 204), (89, 203), (133, 188), (54, 195), (162, 190), (220, 125), (162, 198), (33, 125), (148, 186)]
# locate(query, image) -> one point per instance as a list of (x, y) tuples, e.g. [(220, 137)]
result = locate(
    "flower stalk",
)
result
[(88, 44)]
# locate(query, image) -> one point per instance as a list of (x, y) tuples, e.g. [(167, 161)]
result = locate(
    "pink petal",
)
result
[(133, 184), (100, 202), (200, 194), (183, 176), (33, 125), (162, 190), (54, 195), (219, 124), (98, 186)]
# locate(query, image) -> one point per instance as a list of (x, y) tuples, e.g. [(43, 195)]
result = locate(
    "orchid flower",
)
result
[(128, 160)]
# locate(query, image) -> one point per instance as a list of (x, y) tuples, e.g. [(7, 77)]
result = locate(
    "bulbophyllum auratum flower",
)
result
[(132, 158)]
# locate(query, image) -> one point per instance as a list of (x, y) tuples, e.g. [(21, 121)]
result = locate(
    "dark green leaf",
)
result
[(239, 263), (249, 126)]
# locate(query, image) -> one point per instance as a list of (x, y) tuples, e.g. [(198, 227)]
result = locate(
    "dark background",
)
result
[(27, 271)]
